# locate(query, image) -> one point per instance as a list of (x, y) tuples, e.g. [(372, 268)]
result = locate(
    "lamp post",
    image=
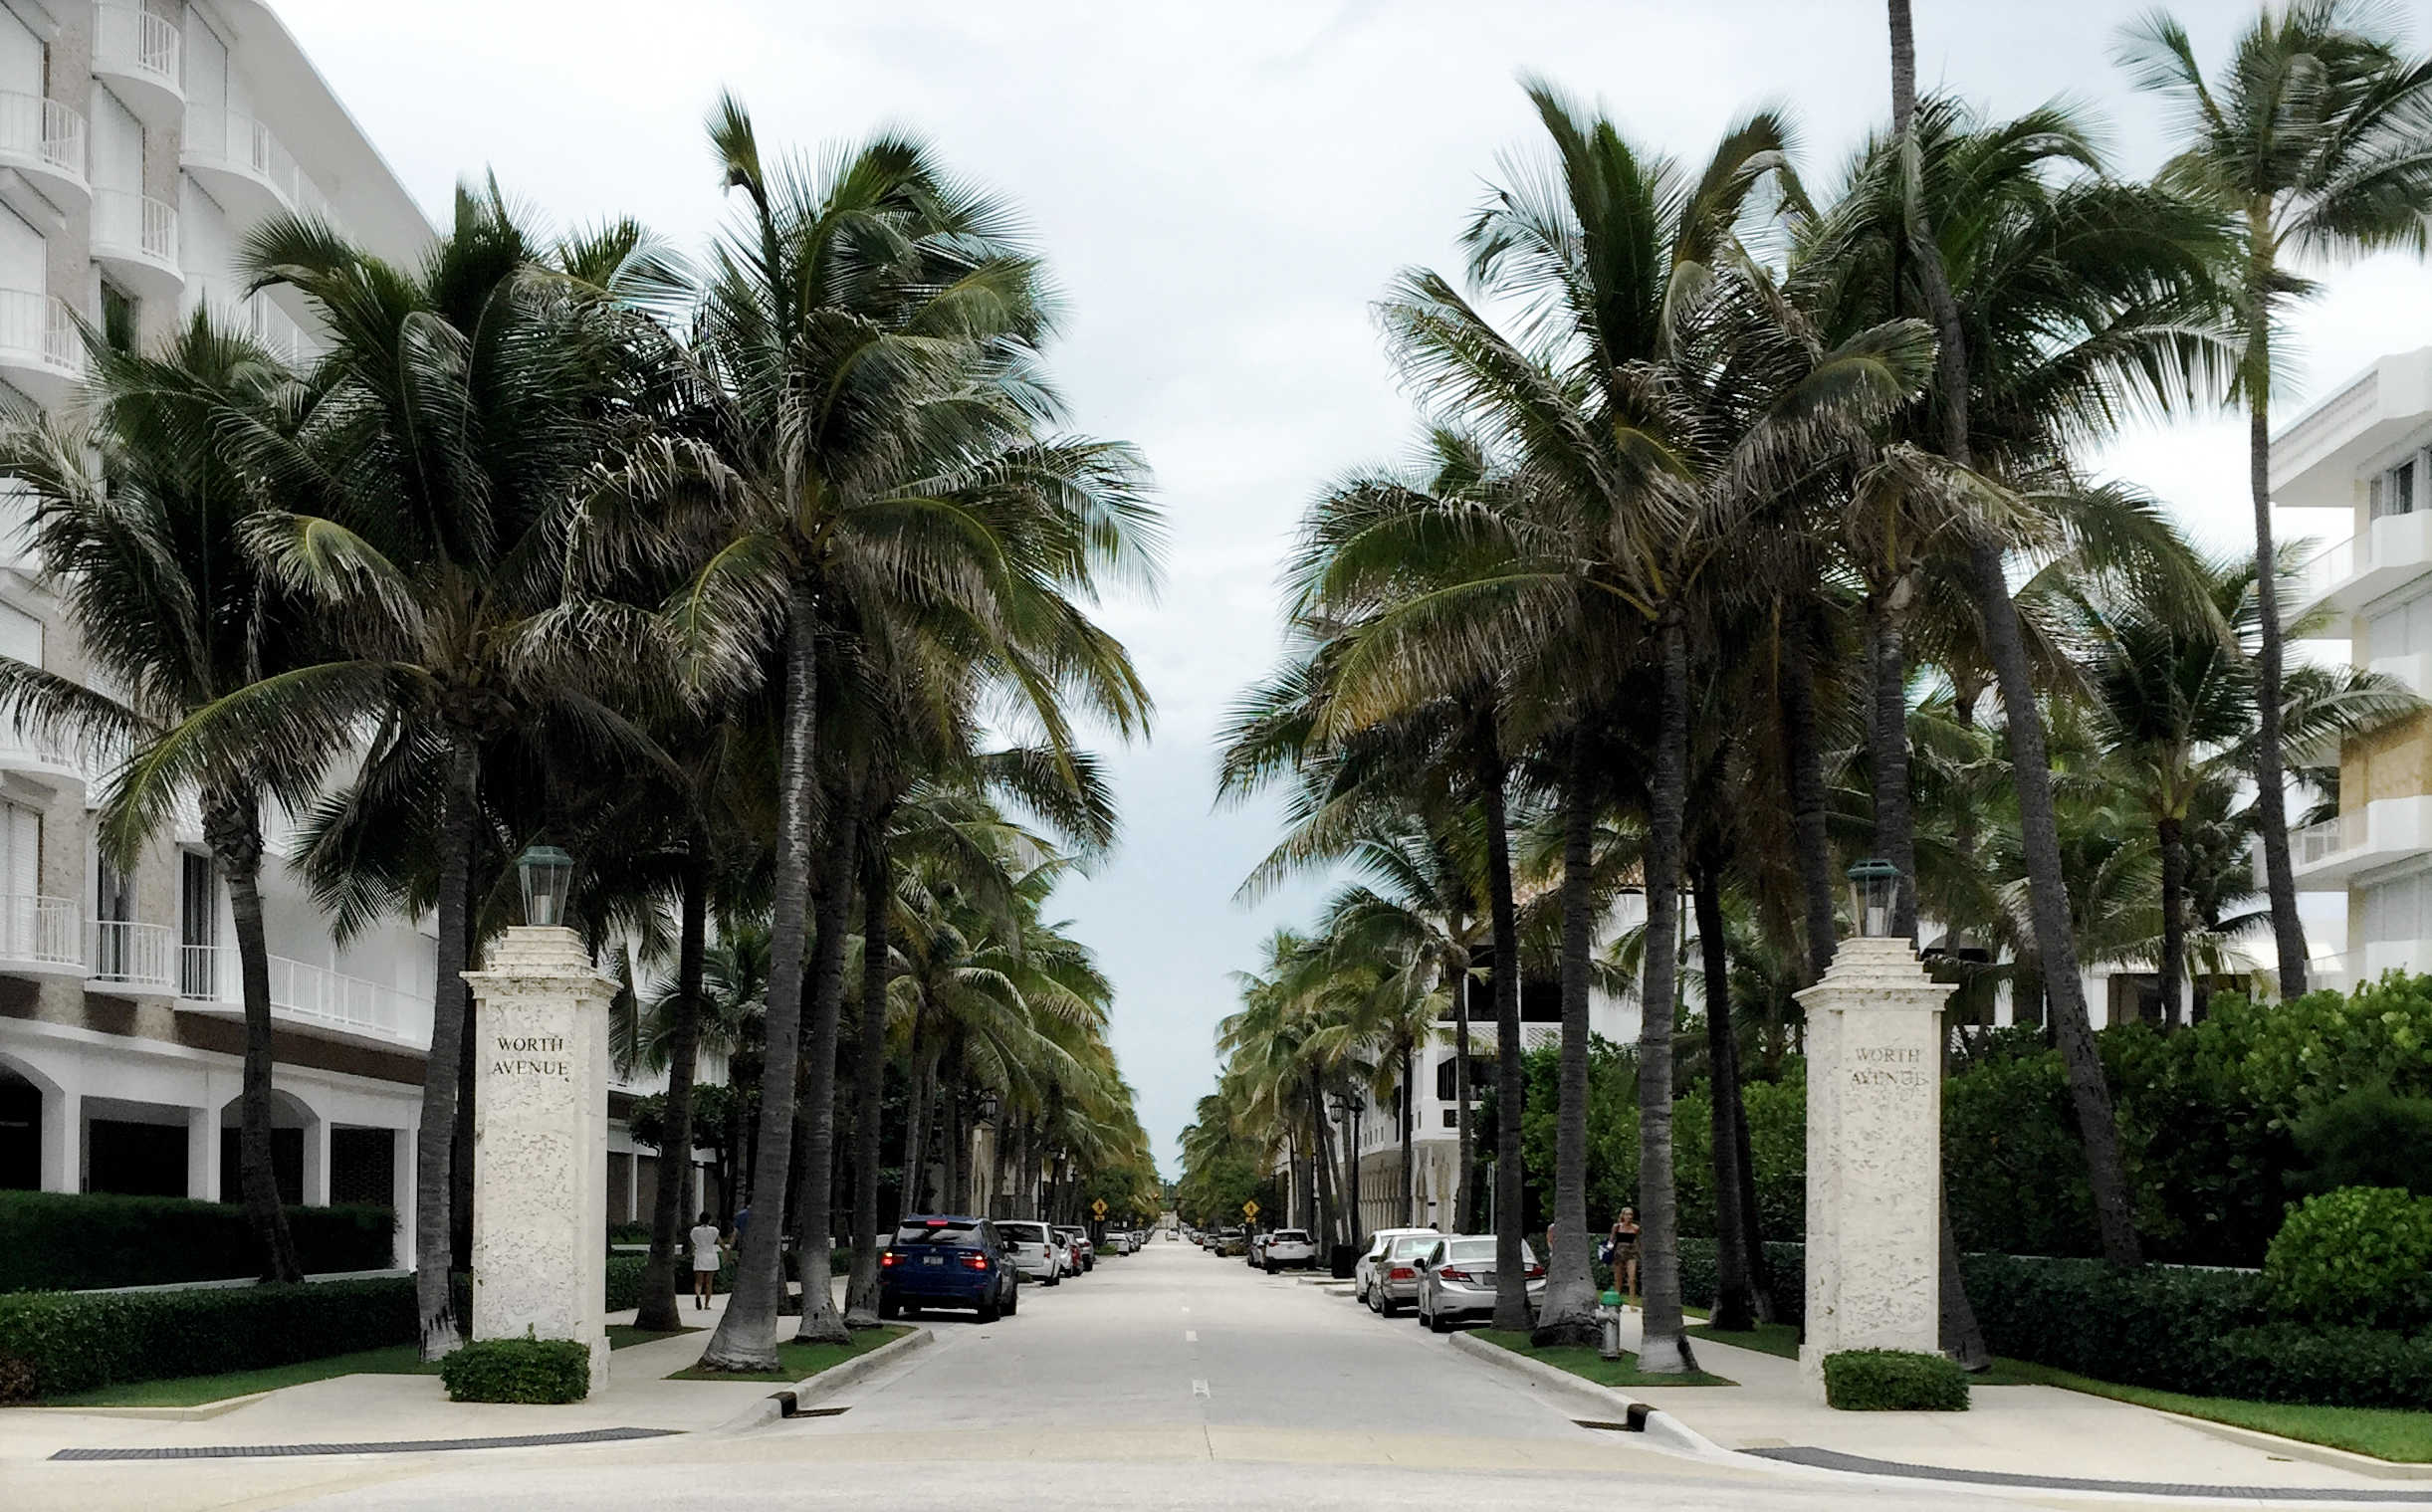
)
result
[(1874, 898), (546, 875)]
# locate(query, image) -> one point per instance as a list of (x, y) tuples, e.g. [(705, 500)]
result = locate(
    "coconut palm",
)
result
[(2317, 143), (137, 516)]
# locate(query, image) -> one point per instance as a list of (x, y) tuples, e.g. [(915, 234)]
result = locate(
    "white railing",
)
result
[(45, 129), (2333, 971), (125, 224), (255, 316), (298, 990), (36, 330), (2319, 842), (135, 955), (127, 39), (218, 138), (39, 929), (2332, 566)]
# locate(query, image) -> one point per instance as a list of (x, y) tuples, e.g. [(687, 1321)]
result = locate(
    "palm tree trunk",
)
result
[(870, 1079), (1409, 1105), (1353, 1219), (1568, 1315), (745, 1340), (1321, 1170), (1510, 1084), (435, 1135), (2175, 916), (2271, 777), (1662, 1348), (658, 1310), (2031, 770), (915, 1193), (1888, 743), (1464, 1194), (1804, 755), (1735, 1274), (233, 828), (822, 1322)]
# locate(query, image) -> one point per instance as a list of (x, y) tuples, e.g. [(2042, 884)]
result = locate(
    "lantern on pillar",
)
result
[(1875, 895), (547, 875)]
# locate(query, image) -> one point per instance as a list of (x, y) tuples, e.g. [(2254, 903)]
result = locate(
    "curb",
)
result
[(200, 1412), (1660, 1427), (781, 1404)]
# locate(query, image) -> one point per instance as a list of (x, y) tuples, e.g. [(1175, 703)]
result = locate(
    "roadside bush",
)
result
[(55, 1342), (2370, 1137), (1893, 1381), (2149, 1326), (544, 1370), (78, 1241), (2359, 1256), (1784, 1262), (2335, 1367), (625, 1278)]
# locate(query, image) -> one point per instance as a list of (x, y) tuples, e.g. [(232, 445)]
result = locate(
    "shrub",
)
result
[(2153, 1325), (1784, 1262), (1893, 1381), (545, 1371), (2370, 1137), (2337, 1367), (2358, 1256), (55, 1342), (75, 1241)]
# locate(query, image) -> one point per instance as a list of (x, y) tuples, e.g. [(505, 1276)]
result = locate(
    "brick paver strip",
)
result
[(392, 1447), (1832, 1459)]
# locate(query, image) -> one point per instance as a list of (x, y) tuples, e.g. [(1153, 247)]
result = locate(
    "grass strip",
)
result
[(2391, 1434), (195, 1390), (626, 1335), (796, 1361), (1588, 1365), (1779, 1339)]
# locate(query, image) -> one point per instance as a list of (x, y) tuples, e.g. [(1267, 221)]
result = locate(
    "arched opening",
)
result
[(291, 1124), (20, 1130)]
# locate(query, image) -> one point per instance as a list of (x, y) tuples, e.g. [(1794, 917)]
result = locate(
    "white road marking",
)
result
[(1190, 1335), (1198, 1387)]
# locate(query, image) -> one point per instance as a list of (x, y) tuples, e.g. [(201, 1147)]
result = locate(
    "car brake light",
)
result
[(975, 1262), (886, 1259), (1401, 1273), (1455, 1274), (1533, 1272)]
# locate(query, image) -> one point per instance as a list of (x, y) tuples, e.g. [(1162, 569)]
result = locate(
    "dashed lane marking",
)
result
[(1198, 1387), (1190, 1335)]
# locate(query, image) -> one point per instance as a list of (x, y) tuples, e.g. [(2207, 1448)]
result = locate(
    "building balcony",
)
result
[(136, 236), (26, 754), (247, 168), (40, 351), (137, 55), (45, 141), (309, 998), (254, 316), (41, 936), (2318, 458), (128, 959), (2345, 578), (2381, 833)]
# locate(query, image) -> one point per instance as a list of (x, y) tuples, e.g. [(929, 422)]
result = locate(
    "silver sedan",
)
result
[(1457, 1281), (1396, 1279)]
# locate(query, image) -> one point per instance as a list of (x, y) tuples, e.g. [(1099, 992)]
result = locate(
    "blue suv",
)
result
[(948, 1261)]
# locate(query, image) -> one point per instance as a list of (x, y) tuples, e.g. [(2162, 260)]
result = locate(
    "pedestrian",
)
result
[(1625, 1242), (705, 1241)]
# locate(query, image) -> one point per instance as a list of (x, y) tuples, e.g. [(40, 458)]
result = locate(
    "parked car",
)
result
[(1364, 1272), (1253, 1253), (1289, 1247), (1037, 1253), (1118, 1242), (1084, 1255), (1231, 1242), (1397, 1274), (1457, 1281), (947, 1260)]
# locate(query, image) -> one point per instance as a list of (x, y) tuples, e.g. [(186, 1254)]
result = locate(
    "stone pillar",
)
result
[(402, 1194), (203, 1153), (541, 1143), (1874, 1155), (63, 1139), (316, 1162)]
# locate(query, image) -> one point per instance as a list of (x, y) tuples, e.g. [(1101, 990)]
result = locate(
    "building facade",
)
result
[(139, 143), (2365, 456)]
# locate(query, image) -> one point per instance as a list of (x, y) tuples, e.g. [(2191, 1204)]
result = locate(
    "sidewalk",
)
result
[(357, 1409), (2036, 1431)]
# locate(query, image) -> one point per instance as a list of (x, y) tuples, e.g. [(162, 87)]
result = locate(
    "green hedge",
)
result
[(73, 1241), (2356, 1257), (625, 1279), (53, 1343), (1786, 1261), (2155, 1325), (1893, 1381), (518, 1370)]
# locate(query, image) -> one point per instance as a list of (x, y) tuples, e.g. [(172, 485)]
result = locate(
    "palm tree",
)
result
[(2315, 144), (147, 554)]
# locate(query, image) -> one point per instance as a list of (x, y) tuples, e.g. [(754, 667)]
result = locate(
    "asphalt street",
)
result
[(1165, 1379)]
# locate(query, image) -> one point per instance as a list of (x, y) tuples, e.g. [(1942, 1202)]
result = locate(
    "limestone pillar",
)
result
[(1873, 1153), (541, 1143), (203, 1151)]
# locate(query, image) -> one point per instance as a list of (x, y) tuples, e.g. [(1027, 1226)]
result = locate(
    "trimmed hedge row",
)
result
[(625, 1279), (56, 1343), (1787, 1261), (75, 1241), (1893, 1381), (544, 1370)]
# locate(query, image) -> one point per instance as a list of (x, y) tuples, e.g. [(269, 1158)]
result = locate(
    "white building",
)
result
[(138, 144), (2366, 452)]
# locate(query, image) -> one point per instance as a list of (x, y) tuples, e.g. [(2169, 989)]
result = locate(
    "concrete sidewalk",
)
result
[(2036, 1431)]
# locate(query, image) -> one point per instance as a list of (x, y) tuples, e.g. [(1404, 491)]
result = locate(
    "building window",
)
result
[(2393, 492), (198, 927), (118, 318)]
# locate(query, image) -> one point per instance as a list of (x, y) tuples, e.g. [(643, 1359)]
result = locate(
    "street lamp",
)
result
[(1875, 893), (547, 875)]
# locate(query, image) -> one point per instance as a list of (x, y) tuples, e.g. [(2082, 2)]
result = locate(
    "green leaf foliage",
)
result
[(2359, 1256), (545, 1371), (1893, 1381), (75, 1241), (55, 1342)]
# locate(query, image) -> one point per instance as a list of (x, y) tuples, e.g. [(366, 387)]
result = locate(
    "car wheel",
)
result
[(1438, 1325), (1270, 1267), (1056, 1279), (1386, 1307), (888, 1307), (1013, 1304), (990, 1311)]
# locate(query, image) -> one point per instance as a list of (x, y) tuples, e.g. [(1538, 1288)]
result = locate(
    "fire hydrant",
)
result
[(1608, 1318)]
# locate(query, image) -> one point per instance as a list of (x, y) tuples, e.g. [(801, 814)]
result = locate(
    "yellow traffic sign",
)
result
[(1098, 1207), (1250, 1209)]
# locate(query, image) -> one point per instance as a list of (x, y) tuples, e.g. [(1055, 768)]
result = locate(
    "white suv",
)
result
[(1033, 1249), (1289, 1247)]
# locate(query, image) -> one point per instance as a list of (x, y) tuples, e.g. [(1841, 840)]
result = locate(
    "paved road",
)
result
[(1165, 1379)]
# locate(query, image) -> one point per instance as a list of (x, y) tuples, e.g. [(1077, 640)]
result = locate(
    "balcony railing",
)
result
[(2332, 566), (44, 130), (38, 335), (123, 952), (40, 929), (234, 142), (127, 39), (2316, 843), (297, 989), (126, 224)]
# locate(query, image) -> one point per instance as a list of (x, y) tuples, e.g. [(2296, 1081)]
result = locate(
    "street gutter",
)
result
[(779, 1405)]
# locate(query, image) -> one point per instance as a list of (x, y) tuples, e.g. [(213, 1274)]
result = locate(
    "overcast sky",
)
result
[(1220, 190)]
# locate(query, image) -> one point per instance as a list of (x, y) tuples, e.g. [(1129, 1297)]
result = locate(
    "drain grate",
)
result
[(407, 1446), (820, 1412)]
